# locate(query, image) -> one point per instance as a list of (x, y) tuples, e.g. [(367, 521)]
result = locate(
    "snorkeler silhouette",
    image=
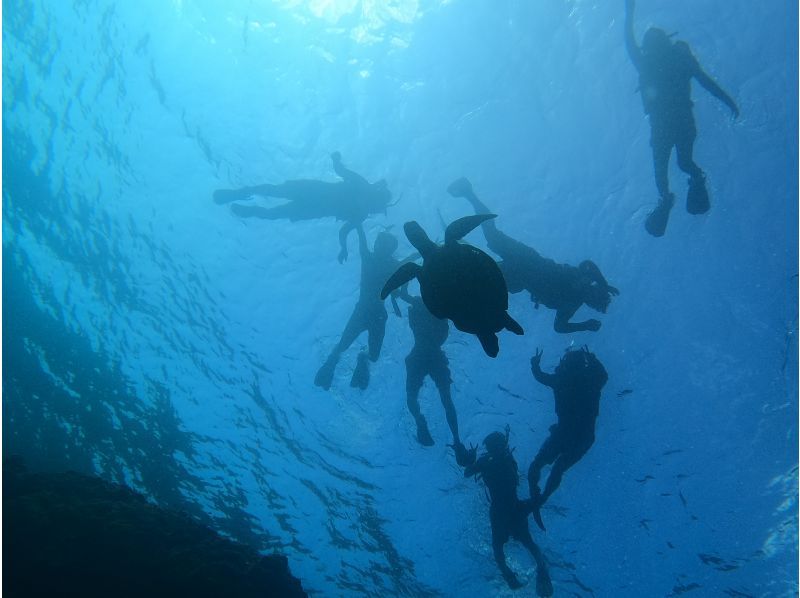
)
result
[(507, 514), (369, 314), (665, 71), (352, 199), (428, 359), (561, 287), (576, 384)]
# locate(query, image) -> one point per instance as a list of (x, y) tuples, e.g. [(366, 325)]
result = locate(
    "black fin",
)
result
[(489, 343), (512, 325), (401, 276), (459, 228)]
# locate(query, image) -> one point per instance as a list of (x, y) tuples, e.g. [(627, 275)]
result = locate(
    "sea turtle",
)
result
[(459, 282)]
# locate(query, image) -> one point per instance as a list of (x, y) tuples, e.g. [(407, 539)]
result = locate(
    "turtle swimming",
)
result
[(459, 282)]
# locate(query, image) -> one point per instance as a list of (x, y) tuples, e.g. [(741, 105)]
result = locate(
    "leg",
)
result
[(566, 460), (415, 375), (697, 198), (546, 455), (544, 586), (223, 196), (375, 324), (286, 210), (440, 374), (376, 329), (662, 148), (499, 538), (656, 223), (354, 327)]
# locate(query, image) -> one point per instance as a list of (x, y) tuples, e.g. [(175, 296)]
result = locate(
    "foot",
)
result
[(324, 377), (223, 196), (460, 187), (423, 434), (535, 504), (544, 587), (464, 456), (697, 198), (512, 580), (656, 223), (243, 211), (360, 377)]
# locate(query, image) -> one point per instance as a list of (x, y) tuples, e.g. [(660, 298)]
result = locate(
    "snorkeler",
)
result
[(428, 359), (369, 314), (507, 514), (352, 199), (577, 382), (665, 71), (561, 287)]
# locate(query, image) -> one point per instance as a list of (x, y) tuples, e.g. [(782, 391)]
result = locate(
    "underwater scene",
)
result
[(405, 297)]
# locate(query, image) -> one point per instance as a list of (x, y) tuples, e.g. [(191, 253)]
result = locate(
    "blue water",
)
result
[(154, 338)]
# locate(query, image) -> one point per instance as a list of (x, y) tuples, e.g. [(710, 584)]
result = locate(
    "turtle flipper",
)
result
[(489, 343), (511, 324), (418, 238), (402, 275), (459, 228)]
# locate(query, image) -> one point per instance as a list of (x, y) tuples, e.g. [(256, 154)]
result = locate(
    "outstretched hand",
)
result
[(734, 112), (336, 157), (342, 257), (613, 290), (537, 359)]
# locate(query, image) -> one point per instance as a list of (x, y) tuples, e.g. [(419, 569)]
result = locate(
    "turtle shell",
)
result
[(462, 283)]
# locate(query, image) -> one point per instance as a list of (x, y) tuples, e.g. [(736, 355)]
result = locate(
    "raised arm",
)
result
[(343, 233), (363, 248), (345, 173), (630, 39), (715, 90), (541, 377)]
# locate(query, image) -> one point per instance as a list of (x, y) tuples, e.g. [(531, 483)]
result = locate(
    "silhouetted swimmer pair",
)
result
[(666, 70), (352, 199), (507, 514), (557, 286)]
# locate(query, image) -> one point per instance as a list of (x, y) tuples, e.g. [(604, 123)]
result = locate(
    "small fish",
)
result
[(645, 479)]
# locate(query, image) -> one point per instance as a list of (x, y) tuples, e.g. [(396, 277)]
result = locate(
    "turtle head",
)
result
[(418, 238)]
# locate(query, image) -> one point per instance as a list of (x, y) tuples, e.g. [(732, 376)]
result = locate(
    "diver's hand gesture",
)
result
[(342, 257), (536, 360), (336, 157)]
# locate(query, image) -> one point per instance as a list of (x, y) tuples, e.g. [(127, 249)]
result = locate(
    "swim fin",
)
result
[(423, 434), (324, 377), (360, 377), (656, 223), (697, 201), (223, 196)]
